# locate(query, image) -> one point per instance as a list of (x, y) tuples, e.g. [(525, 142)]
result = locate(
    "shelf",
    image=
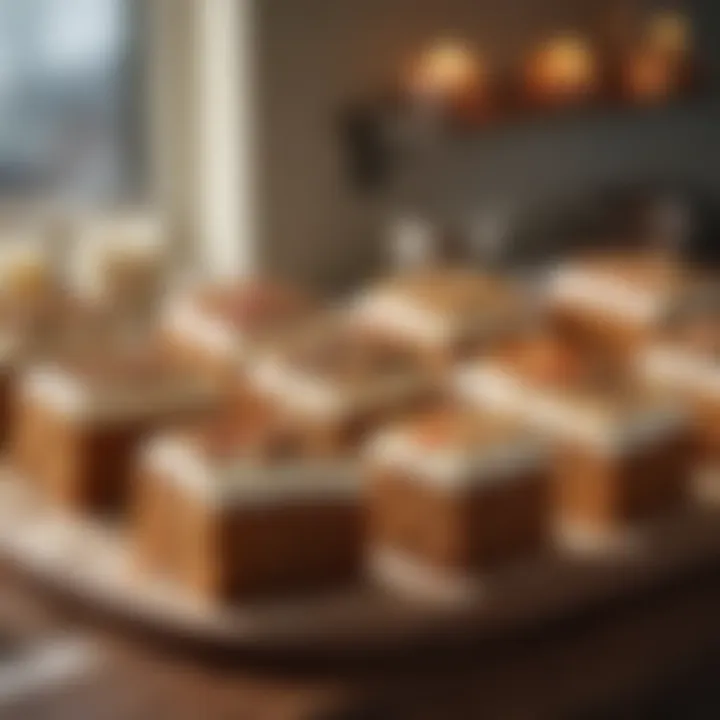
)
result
[(379, 135)]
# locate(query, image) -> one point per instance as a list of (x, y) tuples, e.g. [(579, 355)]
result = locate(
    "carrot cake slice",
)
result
[(623, 452), (81, 417), (454, 494), (443, 314), (233, 508)]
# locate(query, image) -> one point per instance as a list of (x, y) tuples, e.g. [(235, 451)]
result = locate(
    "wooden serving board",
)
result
[(90, 563)]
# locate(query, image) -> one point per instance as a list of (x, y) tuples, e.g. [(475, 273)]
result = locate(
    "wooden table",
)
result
[(657, 649)]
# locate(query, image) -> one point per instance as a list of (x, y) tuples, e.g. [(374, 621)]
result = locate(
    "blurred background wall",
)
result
[(226, 113), (316, 55)]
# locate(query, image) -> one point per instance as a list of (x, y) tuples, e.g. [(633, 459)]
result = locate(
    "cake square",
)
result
[(622, 452), (335, 383), (81, 417), (227, 510), (443, 314), (456, 493), (616, 302), (216, 328)]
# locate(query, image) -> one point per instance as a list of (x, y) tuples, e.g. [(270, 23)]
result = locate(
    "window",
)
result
[(69, 98)]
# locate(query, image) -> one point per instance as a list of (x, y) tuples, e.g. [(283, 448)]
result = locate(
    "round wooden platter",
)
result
[(90, 563)]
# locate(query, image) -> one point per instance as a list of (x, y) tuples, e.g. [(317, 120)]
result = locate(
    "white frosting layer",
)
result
[(489, 386), (297, 390), (316, 396), (246, 481), (458, 469), (606, 294), (675, 367), (637, 430), (69, 396), (184, 320), (57, 390), (395, 313)]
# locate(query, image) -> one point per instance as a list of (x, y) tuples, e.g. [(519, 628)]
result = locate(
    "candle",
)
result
[(444, 73), (564, 68)]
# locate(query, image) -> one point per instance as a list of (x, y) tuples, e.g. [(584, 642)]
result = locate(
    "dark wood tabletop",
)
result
[(628, 660)]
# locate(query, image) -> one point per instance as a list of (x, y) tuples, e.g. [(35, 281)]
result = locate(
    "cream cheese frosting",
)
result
[(395, 313), (298, 390), (459, 468), (327, 398), (603, 428), (606, 293), (390, 311), (68, 395), (681, 368), (182, 318), (239, 481)]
